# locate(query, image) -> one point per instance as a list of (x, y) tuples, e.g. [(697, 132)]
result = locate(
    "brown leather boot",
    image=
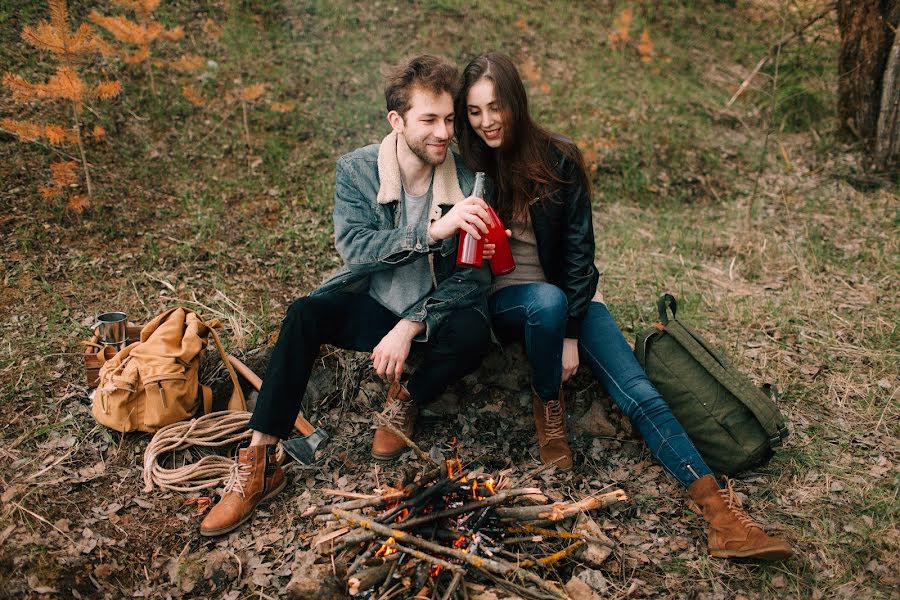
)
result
[(256, 476), (401, 411), (733, 534), (550, 422)]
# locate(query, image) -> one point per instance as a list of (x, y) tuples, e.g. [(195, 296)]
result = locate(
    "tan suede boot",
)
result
[(401, 411), (255, 476), (550, 422), (733, 534)]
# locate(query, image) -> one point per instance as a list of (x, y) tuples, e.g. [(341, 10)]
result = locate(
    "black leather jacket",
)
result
[(564, 232)]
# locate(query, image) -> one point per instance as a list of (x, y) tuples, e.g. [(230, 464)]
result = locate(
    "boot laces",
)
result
[(397, 413), (734, 504), (237, 477), (554, 420)]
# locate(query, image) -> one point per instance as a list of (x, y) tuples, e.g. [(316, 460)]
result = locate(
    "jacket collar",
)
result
[(445, 186)]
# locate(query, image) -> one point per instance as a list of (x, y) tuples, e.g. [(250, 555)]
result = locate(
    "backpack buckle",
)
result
[(778, 441)]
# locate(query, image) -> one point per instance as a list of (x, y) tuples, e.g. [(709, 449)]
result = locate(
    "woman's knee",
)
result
[(548, 306)]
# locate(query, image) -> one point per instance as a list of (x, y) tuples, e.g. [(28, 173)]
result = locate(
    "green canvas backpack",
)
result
[(734, 424)]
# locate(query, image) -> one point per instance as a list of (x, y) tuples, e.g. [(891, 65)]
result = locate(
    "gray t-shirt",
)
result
[(525, 252), (399, 288)]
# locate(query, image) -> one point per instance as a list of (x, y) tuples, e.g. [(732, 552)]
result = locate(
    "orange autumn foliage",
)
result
[(78, 203), (188, 63), (252, 92), (55, 36), (63, 173), (107, 90), (283, 107), (193, 96), (621, 33), (645, 46)]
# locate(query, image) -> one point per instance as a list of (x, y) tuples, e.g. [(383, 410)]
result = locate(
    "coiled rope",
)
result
[(215, 429)]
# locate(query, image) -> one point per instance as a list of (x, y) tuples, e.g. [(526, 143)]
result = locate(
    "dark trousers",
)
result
[(358, 322)]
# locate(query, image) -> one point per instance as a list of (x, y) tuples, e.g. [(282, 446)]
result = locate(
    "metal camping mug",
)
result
[(110, 329)]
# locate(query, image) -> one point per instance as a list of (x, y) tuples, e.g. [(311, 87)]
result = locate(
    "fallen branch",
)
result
[(561, 510)]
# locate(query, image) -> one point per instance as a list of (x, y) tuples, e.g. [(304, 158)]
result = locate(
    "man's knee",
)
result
[(465, 331), (303, 312)]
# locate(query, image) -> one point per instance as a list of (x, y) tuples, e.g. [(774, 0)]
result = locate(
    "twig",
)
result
[(42, 520), (423, 556), (354, 495), (383, 422), (555, 557), (564, 535), (471, 506), (454, 583), (776, 47), (540, 469), (84, 162), (562, 510), (352, 504), (246, 127), (765, 149)]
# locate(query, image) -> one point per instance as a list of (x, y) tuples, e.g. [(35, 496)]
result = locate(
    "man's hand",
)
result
[(470, 215), (391, 353), (569, 358)]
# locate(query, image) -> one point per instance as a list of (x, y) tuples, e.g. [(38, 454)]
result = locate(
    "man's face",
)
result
[(428, 125)]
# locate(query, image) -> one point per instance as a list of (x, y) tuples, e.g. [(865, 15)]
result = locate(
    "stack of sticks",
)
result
[(428, 539)]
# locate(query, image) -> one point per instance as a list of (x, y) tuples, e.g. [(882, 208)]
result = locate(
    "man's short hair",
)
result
[(426, 72)]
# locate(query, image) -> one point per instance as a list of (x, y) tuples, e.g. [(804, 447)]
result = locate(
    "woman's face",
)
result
[(484, 114)]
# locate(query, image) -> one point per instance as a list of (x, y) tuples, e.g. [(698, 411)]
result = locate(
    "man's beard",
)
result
[(420, 149)]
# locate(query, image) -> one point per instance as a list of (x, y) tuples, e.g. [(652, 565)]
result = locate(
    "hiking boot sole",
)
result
[(230, 528), (776, 552)]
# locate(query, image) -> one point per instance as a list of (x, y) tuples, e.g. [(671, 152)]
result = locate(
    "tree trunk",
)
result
[(867, 35), (887, 136)]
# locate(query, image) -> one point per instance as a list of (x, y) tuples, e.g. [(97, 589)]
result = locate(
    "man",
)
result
[(398, 206)]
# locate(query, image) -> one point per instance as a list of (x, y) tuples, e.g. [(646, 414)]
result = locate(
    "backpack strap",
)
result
[(666, 300), (237, 401), (765, 411), (642, 341)]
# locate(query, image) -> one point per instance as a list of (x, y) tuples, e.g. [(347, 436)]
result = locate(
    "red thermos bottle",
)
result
[(502, 261), (469, 251)]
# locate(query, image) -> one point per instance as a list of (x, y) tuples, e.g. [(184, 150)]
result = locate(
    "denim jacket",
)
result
[(369, 237)]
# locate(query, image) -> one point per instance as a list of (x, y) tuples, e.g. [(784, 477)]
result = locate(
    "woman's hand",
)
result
[(491, 249), (569, 358), (470, 215)]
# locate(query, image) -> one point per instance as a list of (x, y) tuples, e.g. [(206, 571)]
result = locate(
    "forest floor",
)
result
[(781, 249)]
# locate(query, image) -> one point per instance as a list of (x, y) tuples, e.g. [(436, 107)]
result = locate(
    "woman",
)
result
[(542, 192)]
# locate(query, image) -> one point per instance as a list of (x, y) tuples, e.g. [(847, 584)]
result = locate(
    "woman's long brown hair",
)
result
[(524, 158)]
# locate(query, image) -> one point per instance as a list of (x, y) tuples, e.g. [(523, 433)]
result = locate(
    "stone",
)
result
[(594, 553), (595, 422), (594, 580), (311, 580), (579, 590)]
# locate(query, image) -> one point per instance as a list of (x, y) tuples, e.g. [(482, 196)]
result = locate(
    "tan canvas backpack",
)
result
[(154, 382)]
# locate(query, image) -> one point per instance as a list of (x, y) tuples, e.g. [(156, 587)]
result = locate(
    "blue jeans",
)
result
[(536, 314)]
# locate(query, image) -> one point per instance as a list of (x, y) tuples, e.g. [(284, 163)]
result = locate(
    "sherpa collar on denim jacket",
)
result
[(444, 188)]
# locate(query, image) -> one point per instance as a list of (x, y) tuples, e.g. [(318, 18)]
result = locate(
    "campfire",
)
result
[(450, 528)]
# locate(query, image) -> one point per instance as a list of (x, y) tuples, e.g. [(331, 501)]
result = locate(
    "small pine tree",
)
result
[(140, 33), (69, 48)]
